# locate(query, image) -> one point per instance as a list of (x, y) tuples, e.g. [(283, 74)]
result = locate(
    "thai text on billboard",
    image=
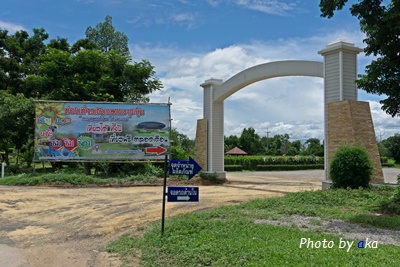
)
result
[(90, 131)]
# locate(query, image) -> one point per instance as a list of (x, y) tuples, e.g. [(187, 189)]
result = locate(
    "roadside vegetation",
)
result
[(243, 235), (73, 179), (103, 174)]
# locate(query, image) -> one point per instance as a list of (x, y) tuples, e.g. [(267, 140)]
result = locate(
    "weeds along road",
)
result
[(51, 227)]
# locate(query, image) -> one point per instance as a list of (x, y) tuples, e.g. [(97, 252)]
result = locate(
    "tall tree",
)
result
[(231, 142), (381, 24), (295, 148), (314, 147), (29, 68), (19, 55), (107, 38), (250, 141)]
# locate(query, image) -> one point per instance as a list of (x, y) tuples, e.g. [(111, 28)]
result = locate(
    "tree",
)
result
[(380, 23), (85, 71), (182, 140), (393, 146), (314, 147), (231, 142), (19, 55), (107, 38), (182, 147), (15, 112), (294, 148), (250, 141)]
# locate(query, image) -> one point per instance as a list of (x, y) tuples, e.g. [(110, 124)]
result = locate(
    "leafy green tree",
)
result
[(380, 23), (231, 142), (295, 148), (314, 147), (107, 38), (19, 55), (273, 144), (250, 141), (183, 141), (393, 146), (85, 71), (15, 112)]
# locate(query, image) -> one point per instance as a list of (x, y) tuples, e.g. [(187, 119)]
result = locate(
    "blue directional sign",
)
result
[(184, 167), (183, 194)]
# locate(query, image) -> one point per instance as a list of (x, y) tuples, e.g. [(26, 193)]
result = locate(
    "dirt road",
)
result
[(51, 227)]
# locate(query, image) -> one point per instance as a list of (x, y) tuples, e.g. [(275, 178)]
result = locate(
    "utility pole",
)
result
[(267, 138)]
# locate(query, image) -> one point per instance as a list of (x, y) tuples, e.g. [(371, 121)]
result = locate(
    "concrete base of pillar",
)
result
[(326, 184), (221, 175)]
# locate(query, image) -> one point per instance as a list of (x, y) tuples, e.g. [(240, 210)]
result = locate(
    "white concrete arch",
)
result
[(339, 71), (267, 71)]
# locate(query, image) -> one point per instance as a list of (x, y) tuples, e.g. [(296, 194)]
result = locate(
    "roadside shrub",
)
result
[(233, 168), (153, 170), (289, 167), (392, 204), (212, 177), (251, 162), (388, 165), (351, 167), (179, 153)]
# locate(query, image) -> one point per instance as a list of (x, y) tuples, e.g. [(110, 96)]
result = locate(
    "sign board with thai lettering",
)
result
[(184, 167), (94, 131), (183, 194)]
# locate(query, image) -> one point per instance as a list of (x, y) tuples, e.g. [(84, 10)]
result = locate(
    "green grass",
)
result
[(37, 179), (229, 236), (392, 161)]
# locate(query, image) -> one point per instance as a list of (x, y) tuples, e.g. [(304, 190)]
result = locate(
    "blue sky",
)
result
[(189, 42)]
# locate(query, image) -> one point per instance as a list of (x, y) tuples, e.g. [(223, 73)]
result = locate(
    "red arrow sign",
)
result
[(158, 150)]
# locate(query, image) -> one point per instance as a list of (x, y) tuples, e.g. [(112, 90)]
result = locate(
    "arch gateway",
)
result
[(346, 121)]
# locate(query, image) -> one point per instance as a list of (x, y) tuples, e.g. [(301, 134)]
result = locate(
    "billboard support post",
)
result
[(164, 194)]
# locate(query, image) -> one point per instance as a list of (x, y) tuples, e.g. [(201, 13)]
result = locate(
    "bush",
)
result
[(179, 153), (351, 167), (392, 204), (289, 167), (251, 162), (388, 165), (233, 168)]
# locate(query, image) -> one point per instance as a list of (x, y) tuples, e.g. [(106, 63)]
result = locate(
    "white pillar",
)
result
[(340, 74), (213, 112)]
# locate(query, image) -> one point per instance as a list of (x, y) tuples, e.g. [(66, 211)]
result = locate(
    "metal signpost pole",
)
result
[(164, 193)]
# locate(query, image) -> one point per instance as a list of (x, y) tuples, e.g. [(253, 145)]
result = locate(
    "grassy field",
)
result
[(37, 179), (236, 236)]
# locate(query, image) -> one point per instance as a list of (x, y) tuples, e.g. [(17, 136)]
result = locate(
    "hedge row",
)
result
[(238, 168), (251, 162), (389, 165)]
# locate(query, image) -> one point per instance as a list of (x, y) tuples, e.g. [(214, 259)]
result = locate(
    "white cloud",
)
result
[(11, 27), (385, 125), (183, 17), (292, 105), (267, 6)]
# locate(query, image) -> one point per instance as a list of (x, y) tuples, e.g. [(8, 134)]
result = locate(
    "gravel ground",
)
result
[(51, 227), (339, 228)]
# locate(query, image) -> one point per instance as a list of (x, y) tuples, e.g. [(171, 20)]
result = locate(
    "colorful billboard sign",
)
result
[(90, 131)]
